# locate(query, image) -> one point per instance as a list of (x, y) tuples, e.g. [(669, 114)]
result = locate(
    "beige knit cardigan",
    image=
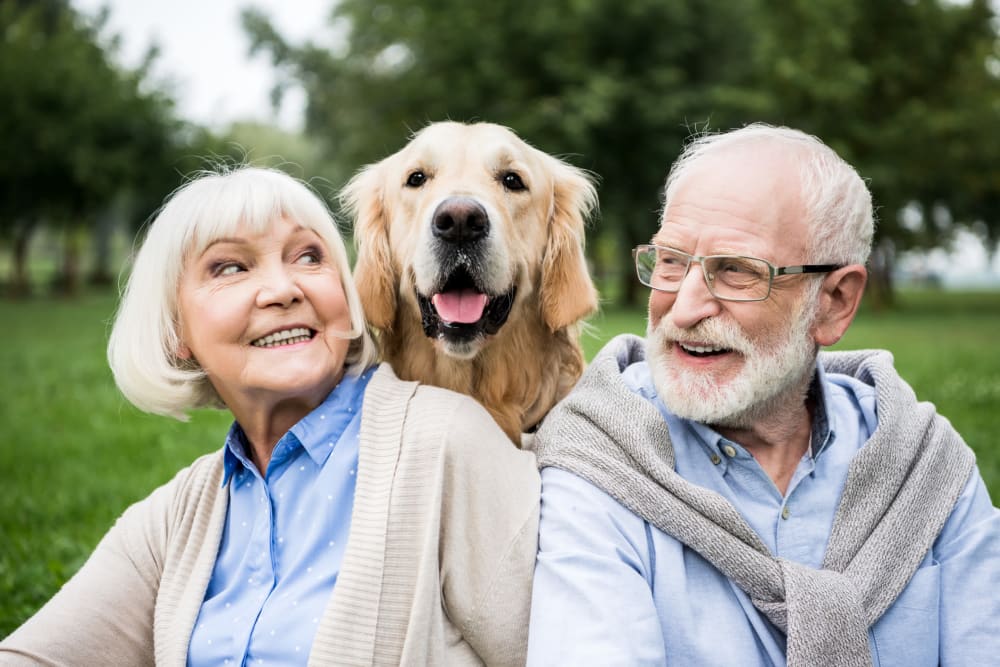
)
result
[(437, 569)]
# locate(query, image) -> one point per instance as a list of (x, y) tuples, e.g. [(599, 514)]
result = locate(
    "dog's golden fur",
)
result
[(535, 246)]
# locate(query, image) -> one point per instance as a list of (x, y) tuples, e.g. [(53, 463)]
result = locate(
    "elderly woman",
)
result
[(350, 518)]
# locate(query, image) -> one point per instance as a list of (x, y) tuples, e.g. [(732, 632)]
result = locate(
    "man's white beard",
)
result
[(762, 385)]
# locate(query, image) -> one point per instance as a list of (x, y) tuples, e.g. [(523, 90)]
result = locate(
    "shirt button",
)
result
[(729, 450), (715, 459), (784, 512)]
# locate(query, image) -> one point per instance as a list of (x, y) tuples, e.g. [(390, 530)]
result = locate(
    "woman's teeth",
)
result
[(286, 337)]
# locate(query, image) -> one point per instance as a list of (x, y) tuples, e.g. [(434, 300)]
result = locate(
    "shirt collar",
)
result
[(317, 432), (823, 425), (234, 454)]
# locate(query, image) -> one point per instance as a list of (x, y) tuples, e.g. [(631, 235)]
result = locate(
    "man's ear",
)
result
[(839, 300)]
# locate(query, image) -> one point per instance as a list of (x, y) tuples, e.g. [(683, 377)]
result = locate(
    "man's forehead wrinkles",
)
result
[(714, 205)]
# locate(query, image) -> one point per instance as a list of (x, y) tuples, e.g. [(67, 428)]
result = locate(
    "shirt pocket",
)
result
[(907, 634)]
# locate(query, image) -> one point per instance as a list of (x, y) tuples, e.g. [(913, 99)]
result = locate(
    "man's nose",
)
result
[(694, 301)]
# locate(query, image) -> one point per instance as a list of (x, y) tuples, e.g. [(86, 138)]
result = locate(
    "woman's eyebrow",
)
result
[(226, 239)]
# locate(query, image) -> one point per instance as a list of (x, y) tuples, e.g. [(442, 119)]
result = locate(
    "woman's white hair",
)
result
[(838, 204), (142, 350)]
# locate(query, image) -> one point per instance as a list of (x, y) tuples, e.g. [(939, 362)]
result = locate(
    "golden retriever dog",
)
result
[(471, 267)]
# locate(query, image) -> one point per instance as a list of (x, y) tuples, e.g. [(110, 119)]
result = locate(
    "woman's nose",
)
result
[(278, 287)]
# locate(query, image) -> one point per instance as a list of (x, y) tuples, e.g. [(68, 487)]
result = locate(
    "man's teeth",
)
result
[(286, 337), (702, 349)]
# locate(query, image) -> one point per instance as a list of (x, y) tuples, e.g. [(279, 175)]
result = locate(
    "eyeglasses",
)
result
[(729, 277)]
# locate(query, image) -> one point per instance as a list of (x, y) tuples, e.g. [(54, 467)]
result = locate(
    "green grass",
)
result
[(946, 346), (75, 454)]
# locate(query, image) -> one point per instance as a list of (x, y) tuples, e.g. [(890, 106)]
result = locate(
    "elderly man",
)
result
[(723, 494)]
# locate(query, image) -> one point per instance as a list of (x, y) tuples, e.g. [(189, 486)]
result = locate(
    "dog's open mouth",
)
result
[(460, 310)]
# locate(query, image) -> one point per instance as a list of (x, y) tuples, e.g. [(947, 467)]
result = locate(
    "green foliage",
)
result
[(82, 139), (906, 91), (50, 69), (76, 123)]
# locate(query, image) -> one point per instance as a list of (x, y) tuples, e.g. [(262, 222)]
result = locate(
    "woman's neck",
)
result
[(267, 415), (265, 421)]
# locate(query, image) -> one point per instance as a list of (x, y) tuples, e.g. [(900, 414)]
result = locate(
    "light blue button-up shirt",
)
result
[(610, 589), (284, 538)]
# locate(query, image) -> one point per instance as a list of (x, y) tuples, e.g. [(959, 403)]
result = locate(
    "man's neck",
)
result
[(778, 438)]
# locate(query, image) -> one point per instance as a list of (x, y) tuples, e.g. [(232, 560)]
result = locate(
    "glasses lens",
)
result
[(738, 278), (660, 268)]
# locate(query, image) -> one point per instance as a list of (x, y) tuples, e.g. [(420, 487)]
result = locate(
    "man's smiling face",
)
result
[(718, 361)]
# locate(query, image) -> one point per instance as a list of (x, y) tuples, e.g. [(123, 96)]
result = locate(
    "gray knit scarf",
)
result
[(900, 489)]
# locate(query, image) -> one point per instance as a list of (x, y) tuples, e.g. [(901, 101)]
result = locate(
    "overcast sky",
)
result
[(204, 52)]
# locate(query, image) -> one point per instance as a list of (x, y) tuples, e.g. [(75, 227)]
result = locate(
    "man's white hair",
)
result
[(142, 350), (838, 204)]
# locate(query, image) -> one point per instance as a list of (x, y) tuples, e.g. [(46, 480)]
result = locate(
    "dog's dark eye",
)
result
[(416, 179), (512, 182)]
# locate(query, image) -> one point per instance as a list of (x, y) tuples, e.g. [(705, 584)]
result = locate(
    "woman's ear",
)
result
[(374, 273), (567, 291), (176, 340), (839, 300)]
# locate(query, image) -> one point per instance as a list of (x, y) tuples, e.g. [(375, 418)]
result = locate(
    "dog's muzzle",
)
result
[(462, 308), (438, 319)]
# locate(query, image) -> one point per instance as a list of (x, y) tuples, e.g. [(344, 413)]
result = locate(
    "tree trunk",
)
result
[(100, 274), (881, 294), (67, 282), (20, 283), (630, 289)]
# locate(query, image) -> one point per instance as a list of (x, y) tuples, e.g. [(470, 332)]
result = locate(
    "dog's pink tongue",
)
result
[(464, 306)]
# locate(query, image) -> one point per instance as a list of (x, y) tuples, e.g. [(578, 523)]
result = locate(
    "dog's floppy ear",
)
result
[(567, 294), (374, 273)]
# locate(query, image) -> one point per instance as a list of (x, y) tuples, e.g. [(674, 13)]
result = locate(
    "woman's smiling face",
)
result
[(264, 314)]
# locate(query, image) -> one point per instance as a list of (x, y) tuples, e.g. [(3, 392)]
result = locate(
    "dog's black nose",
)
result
[(460, 220)]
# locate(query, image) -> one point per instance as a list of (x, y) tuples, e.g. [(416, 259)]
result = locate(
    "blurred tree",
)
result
[(52, 125), (292, 152), (80, 135), (907, 91), (618, 84)]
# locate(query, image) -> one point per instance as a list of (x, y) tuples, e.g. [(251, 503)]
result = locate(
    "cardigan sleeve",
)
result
[(104, 614), (489, 535)]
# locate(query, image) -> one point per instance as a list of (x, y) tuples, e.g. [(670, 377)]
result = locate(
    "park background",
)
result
[(92, 140)]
